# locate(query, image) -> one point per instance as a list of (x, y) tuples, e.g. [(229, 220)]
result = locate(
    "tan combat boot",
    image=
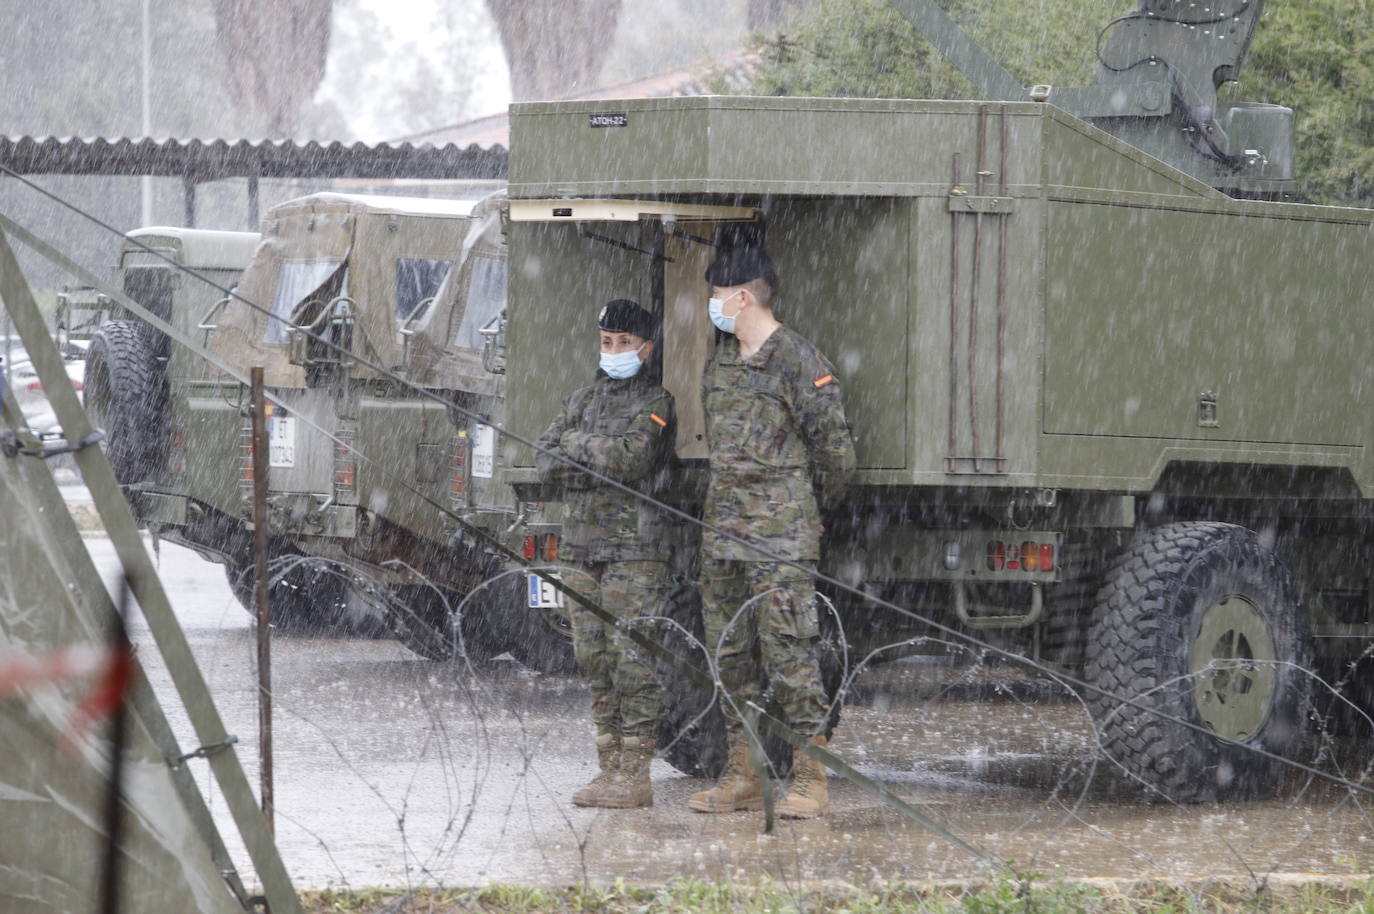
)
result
[(608, 756), (632, 788), (738, 787), (810, 795)]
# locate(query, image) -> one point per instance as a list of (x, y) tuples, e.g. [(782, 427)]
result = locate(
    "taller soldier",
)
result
[(780, 453)]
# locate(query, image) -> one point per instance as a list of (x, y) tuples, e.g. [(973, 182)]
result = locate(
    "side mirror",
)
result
[(408, 331), (204, 323), (494, 344), (333, 322)]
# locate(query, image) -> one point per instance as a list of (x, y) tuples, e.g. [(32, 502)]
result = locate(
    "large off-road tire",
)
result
[(1200, 622), (126, 396), (438, 624), (307, 597)]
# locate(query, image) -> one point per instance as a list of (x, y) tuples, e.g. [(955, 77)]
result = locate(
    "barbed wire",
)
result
[(956, 638), (671, 510)]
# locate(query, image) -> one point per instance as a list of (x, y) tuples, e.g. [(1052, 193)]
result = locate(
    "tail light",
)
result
[(1029, 556), (997, 556), (548, 547), (246, 472), (345, 466), (531, 548), (460, 460), (178, 443)]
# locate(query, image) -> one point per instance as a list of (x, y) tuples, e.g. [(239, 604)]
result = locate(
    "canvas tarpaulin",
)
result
[(52, 798), (385, 254)]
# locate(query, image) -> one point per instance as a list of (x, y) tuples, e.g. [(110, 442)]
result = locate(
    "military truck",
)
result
[(171, 421), (360, 470), (362, 467), (1107, 413), (143, 391)]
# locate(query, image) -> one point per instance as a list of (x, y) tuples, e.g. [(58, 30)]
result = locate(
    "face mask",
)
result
[(716, 309), (621, 365)]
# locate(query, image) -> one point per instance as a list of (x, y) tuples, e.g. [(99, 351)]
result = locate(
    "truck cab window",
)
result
[(486, 297), (151, 287), (416, 280), (296, 283)]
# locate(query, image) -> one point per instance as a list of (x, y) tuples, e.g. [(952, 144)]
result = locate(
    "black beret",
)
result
[(625, 316), (736, 266)]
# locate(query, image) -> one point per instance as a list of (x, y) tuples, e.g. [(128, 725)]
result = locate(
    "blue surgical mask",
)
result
[(716, 309), (621, 365)]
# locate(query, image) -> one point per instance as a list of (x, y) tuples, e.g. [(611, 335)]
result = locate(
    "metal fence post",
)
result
[(261, 462)]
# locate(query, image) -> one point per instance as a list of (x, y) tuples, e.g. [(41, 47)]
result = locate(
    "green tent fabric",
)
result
[(52, 798)]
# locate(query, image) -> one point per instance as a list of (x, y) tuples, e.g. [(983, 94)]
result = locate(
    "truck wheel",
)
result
[(1202, 623), (126, 396), (421, 619), (306, 599)]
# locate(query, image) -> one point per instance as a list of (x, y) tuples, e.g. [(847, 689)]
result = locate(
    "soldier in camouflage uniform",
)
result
[(780, 452), (623, 427)]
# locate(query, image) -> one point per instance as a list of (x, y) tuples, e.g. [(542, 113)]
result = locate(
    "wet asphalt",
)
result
[(393, 770)]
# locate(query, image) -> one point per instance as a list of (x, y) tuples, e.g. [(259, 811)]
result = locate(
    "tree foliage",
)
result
[(276, 56), (554, 47), (866, 49), (1315, 56)]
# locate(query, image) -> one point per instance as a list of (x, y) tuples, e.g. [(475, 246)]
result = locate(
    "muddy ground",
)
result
[(393, 770)]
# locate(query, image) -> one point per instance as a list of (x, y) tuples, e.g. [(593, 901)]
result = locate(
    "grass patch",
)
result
[(1026, 894)]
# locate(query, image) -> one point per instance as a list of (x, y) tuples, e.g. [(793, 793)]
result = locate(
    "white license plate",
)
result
[(483, 451), (543, 595), (281, 442)]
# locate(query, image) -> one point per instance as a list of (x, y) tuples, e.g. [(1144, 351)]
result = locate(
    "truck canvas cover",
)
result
[(445, 340), (52, 798), (305, 261)]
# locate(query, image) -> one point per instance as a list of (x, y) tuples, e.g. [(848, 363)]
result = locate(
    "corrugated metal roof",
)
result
[(210, 160)]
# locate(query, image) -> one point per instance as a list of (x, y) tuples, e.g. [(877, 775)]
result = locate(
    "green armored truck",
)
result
[(364, 471), (172, 421), (149, 395), (365, 477), (1106, 402)]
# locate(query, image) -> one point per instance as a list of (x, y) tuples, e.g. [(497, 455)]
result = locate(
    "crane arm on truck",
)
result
[(1159, 69), (1200, 51)]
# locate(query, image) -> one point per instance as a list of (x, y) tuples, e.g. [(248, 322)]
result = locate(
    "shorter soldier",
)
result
[(621, 426)]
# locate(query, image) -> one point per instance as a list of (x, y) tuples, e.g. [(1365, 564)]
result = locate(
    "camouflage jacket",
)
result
[(778, 442), (624, 430)]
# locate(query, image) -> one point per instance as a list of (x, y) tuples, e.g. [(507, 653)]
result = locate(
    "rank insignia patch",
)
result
[(823, 380)]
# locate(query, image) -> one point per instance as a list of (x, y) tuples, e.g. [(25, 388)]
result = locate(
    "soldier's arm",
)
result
[(820, 416), (550, 469), (632, 455)]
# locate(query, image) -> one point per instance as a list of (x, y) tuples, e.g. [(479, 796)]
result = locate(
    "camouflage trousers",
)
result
[(626, 697), (772, 643)]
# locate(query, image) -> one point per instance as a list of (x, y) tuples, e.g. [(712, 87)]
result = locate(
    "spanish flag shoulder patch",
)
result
[(823, 380), (658, 420)]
